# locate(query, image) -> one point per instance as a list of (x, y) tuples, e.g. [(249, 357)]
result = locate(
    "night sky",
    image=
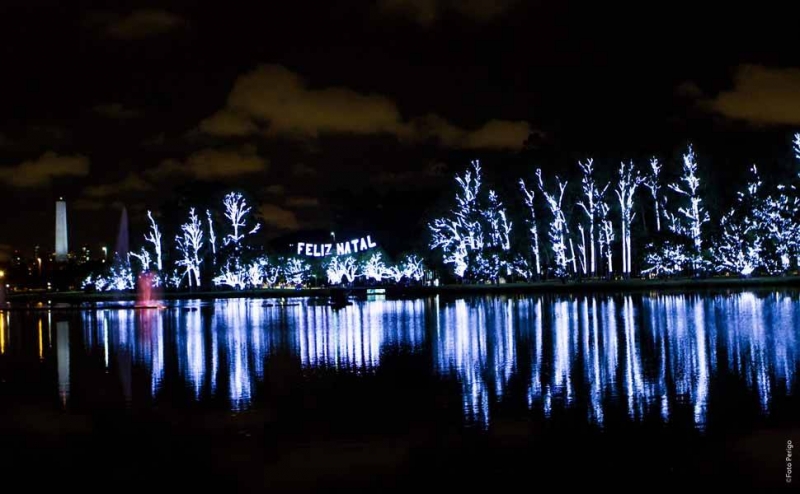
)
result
[(355, 115)]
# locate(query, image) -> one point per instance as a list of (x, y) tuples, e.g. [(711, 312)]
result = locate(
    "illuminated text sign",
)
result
[(339, 249)]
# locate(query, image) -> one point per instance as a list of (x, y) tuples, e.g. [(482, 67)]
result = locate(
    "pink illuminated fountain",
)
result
[(146, 292)]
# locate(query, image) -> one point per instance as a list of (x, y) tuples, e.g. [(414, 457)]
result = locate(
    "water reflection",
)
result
[(62, 356), (641, 357)]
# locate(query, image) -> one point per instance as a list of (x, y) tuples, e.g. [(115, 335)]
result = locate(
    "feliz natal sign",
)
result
[(342, 248)]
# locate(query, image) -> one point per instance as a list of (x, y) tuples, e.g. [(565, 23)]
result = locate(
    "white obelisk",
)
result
[(62, 248)]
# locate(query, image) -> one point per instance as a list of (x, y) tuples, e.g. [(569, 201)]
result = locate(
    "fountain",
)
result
[(146, 292), (123, 245)]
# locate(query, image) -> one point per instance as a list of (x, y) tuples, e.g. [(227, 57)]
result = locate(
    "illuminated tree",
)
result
[(522, 267), (591, 208), (459, 233), (154, 237), (256, 272), (669, 259), (558, 226), (236, 209), (533, 228), (693, 217), (212, 238), (582, 251), (629, 180), (492, 259), (295, 271), (119, 277), (395, 272), (410, 267), (342, 270), (374, 269), (413, 268), (781, 229), (270, 271), (739, 248), (499, 227), (606, 237), (233, 277), (189, 245), (144, 258), (653, 182)]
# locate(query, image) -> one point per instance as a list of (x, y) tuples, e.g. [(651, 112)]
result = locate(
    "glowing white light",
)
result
[(652, 182), (342, 270), (592, 209), (296, 271), (629, 180), (558, 226), (154, 237), (533, 230), (189, 245), (236, 210), (693, 217), (374, 268)]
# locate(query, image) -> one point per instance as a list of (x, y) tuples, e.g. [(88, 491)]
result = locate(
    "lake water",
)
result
[(383, 389)]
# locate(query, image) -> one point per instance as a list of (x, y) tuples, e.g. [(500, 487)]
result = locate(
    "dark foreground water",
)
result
[(645, 389)]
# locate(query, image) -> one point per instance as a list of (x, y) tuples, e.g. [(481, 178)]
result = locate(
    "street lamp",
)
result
[(105, 253), (333, 235)]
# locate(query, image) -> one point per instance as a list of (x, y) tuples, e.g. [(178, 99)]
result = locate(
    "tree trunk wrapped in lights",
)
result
[(739, 248), (189, 245), (342, 270), (154, 237), (533, 228), (694, 216), (558, 225), (653, 182), (606, 237), (591, 208), (629, 180), (375, 269), (459, 234), (493, 259), (212, 238)]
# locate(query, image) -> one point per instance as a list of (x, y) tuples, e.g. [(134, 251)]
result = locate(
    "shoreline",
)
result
[(391, 291)]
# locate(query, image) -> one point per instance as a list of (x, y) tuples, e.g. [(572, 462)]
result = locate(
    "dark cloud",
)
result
[(5, 252), (689, 89), (277, 101), (143, 24), (228, 123), (277, 96), (298, 202), (275, 189), (303, 170), (435, 169), (44, 169), (495, 134), (432, 171), (47, 134), (427, 12), (116, 111), (156, 140), (213, 164), (760, 95), (278, 217), (83, 204), (131, 183)]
